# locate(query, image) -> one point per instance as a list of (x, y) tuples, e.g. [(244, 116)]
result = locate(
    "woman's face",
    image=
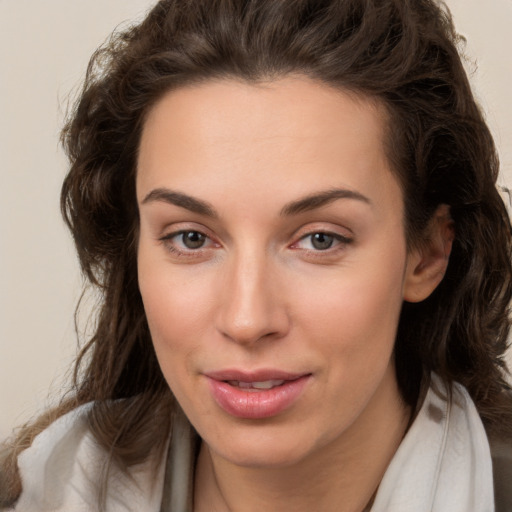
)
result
[(272, 264)]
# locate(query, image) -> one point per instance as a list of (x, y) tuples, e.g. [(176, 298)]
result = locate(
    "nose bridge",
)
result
[(251, 306)]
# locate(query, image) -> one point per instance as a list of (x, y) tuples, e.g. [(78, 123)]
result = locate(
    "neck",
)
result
[(341, 476)]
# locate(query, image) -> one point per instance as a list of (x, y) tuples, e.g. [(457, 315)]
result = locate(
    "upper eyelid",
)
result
[(326, 232), (172, 234), (182, 227), (311, 229)]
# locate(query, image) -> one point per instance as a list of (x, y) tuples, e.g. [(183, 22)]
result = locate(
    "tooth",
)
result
[(268, 384)]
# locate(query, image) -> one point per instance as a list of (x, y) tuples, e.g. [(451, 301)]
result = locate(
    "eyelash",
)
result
[(340, 242), (167, 241)]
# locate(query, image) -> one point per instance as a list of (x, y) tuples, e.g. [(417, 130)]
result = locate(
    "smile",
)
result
[(256, 386), (253, 396)]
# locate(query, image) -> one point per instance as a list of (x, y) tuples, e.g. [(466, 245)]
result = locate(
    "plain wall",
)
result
[(44, 50)]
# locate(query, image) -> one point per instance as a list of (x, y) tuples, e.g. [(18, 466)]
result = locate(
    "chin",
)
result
[(268, 449), (263, 458)]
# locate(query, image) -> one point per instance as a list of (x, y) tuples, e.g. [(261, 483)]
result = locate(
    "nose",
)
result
[(252, 306)]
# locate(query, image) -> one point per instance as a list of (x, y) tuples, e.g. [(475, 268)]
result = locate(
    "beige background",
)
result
[(44, 49)]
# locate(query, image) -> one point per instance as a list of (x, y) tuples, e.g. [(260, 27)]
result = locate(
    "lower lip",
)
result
[(257, 404)]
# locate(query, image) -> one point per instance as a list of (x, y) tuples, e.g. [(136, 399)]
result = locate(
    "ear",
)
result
[(426, 264)]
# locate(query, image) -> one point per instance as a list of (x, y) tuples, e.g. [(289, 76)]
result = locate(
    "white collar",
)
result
[(444, 462)]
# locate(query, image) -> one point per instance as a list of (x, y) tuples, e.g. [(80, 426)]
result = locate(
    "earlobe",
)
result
[(426, 265)]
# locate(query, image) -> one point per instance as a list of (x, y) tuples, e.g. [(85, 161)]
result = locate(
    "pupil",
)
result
[(321, 241), (193, 239)]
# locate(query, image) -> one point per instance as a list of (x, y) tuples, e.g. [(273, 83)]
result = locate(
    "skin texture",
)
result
[(259, 294)]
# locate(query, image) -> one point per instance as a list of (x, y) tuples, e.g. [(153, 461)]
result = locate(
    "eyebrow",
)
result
[(319, 199), (305, 204), (182, 200)]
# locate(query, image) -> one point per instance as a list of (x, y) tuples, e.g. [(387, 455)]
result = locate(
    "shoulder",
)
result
[(63, 470), (51, 464)]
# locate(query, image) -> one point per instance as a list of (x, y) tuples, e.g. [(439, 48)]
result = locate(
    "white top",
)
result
[(61, 472), (443, 465)]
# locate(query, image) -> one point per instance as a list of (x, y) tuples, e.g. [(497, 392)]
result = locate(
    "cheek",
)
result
[(177, 305), (352, 316), (355, 302), (175, 327), (353, 323)]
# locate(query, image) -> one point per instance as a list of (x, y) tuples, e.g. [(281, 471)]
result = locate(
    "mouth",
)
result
[(256, 386), (256, 395)]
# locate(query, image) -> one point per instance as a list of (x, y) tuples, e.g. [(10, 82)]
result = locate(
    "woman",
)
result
[(290, 209)]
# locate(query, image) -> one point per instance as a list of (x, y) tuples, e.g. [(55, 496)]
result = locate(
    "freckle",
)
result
[(435, 413)]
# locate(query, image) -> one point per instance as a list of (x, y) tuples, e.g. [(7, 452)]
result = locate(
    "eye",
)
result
[(187, 241), (321, 241), (192, 239)]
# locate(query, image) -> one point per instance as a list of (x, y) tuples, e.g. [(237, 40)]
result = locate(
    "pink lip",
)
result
[(256, 404)]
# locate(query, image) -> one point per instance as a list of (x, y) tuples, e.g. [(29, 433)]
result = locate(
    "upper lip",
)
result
[(260, 375)]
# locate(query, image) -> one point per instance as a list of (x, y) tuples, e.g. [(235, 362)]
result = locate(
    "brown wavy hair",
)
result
[(402, 53)]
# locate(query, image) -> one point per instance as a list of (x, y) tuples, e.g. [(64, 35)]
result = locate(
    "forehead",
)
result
[(294, 133)]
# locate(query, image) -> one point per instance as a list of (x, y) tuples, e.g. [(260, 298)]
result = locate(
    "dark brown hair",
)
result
[(402, 53)]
